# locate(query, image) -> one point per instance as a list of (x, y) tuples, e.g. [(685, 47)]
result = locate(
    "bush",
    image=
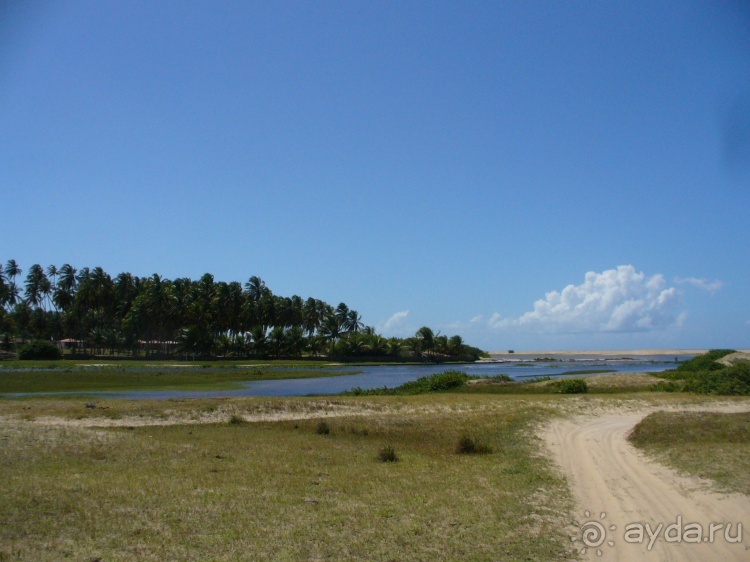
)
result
[(571, 386), (705, 362), (387, 454), (467, 445), (236, 419), (323, 428), (433, 383), (734, 380), (703, 375), (40, 349), (667, 386)]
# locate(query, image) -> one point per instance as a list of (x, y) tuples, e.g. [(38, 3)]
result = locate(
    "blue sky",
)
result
[(451, 164)]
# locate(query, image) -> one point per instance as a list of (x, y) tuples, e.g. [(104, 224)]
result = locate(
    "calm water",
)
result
[(519, 368)]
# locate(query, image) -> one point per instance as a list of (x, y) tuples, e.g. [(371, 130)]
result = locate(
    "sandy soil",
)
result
[(605, 353), (609, 476), (730, 359)]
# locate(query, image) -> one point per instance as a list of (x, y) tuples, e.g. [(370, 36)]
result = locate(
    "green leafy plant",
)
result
[(39, 349), (571, 386), (438, 382)]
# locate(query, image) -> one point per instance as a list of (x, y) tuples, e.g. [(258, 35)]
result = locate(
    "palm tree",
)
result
[(394, 347), (378, 345), (426, 338), (256, 289), (64, 295), (331, 329), (278, 340), (354, 321), (52, 272), (456, 345), (342, 314), (258, 341), (4, 290), (296, 341), (37, 286), (12, 271)]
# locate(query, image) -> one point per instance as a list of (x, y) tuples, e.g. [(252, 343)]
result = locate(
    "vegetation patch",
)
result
[(468, 445), (707, 445), (113, 379), (387, 454), (39, 349), (439, 382), (705, 375), (266, 491), (570, 386), (323, 428)]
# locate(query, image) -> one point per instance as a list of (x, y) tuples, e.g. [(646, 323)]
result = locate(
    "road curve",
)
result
[(609, 476)]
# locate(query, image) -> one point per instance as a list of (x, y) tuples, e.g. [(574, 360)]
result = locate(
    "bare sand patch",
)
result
[(604, 353), (732, 358)]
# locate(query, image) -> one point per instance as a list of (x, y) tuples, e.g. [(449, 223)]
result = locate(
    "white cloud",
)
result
[(394, 323), (703, 284), (616, 300)]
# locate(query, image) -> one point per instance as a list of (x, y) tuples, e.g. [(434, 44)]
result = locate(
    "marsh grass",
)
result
[(108, 379), (267, 490), (707, 445)]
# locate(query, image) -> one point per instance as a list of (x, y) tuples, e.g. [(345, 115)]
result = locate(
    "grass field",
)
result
[(707, 445), (152, 378), (301, 478), (280, 490)]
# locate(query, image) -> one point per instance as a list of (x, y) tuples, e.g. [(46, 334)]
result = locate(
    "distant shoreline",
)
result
[(614, 353)]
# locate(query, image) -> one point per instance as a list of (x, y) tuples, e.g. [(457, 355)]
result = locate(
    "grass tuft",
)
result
[(387, 454), (323, 428), (468, 445)]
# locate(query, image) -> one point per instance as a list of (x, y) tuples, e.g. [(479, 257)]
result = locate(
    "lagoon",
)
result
[(374, 376)]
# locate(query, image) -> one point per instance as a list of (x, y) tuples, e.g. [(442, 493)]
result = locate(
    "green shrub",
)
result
[(734, 380), (667, 386), (705, 362), (468, 445), (236, 419), (39, 349), (434, 383), (501, 378), (571, 386), (387, 454), (323, 428), (704, 375)]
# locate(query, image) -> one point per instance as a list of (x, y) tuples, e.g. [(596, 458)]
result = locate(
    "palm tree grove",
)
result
[(88, 312)]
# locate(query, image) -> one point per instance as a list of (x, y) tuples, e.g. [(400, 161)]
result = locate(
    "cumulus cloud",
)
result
[(394, 323), (703, 284), (616, 300)]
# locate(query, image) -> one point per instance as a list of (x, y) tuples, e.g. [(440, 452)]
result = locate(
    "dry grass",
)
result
[(708, 445), (184, 483), (276, 490)]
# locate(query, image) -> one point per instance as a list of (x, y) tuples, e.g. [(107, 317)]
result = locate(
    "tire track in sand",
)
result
[(608, 475)]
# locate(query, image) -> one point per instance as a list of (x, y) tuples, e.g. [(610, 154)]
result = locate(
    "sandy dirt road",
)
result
[(609, 476)]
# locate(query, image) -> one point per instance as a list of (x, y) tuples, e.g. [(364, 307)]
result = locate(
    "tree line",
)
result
[(93, 313)]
